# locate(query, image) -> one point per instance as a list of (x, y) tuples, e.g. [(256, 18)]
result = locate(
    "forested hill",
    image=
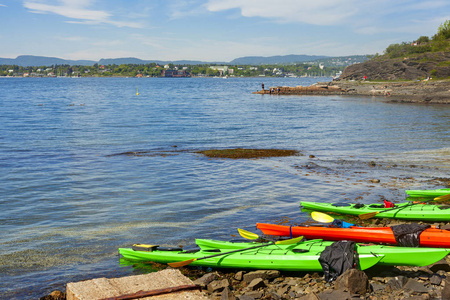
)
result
[(417, 60)]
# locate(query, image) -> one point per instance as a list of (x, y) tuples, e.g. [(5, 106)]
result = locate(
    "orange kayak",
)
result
[(431, 237)]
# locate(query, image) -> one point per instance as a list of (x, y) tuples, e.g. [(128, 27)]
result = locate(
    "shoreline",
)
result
[(428, 92)]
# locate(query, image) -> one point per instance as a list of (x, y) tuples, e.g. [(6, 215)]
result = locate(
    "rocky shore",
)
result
[(425, 91), (376, 283)]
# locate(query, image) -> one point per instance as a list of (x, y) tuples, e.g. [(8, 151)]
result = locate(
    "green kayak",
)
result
[(262, 256), (391, 255), (406, 211), (427, 193), (302, 256)]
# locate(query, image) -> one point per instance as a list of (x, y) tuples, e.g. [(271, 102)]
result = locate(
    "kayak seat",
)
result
[(169, 249), (359, 205), (444, 206), (300, 250), (376, 205), (191, 250)]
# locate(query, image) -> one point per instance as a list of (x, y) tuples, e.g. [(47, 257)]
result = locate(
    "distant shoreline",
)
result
[(428, 92)]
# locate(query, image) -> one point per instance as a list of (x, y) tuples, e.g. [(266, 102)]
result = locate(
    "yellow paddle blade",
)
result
[(368, 215), (290, 241), (321, 217), (442, 198), (180, 264), (247, 234)]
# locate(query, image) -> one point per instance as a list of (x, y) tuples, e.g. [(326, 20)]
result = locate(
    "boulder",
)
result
[(256, 284), (218, 285), (206, 279), (264, 274), (415, 287), (227, 294), (445, 295), (354, 281)]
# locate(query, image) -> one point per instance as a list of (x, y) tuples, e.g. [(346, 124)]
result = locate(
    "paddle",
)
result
[(324, 218), (247, 234), (373, 214), (321, 217), (283, 242)]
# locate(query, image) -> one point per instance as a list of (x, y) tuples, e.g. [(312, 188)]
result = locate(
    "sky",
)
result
[(212, 30)]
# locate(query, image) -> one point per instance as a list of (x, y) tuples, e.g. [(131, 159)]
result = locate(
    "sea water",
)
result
[(88, 166)]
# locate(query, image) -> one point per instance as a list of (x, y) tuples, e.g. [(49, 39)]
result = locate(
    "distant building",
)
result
[(222, 69), (175, 73)]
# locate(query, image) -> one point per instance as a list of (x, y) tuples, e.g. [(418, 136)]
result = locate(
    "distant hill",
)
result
[(137, 61), (279, 59), (37, 61)]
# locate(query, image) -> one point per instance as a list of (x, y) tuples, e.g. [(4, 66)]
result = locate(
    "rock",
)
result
[(254, 294), (218, 285), (378, 286), (440, 265), (354, 281), (413, 68), (227, 294), (206, 279), (283, 290), (239, 276), (311, 296), (256, 284), (436, 279), (246, 297), (55, 295), (333, 295), (445, 295), (415, 286), (264, 274), (274, 296), (397, 282)]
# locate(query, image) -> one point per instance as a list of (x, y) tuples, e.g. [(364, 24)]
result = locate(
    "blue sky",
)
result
[(211, 30)]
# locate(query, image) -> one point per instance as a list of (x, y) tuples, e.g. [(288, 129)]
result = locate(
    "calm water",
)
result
[(68, 201)]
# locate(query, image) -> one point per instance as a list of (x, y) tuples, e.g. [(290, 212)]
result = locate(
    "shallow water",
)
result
[(68, 201)]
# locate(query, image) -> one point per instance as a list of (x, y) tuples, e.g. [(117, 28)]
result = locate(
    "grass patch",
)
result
[(240, 153)]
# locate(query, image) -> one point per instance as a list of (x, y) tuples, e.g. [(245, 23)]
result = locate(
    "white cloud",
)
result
[(317, 12), (77, 10)]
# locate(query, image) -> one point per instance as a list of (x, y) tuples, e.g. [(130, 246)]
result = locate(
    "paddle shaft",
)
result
[(187, 262), (373, 214), (237, 250)]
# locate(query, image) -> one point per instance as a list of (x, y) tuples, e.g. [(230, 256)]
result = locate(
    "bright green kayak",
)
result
[(302, 256), (427, 193), (391, 255), (406, 211), (270, 257)]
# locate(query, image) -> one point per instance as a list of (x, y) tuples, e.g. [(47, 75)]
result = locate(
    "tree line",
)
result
[(438, 42), (155, 70)]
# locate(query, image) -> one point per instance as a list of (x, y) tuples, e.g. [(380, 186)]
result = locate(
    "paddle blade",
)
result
[(442, 198), (180, 264), (321, 217), (368, 215), (247, 234), (290, 241)]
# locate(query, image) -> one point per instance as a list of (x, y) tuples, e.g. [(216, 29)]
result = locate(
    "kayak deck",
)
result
[(392, 255), (427, 193), (430, 237), (272, 257), (421, 212)]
